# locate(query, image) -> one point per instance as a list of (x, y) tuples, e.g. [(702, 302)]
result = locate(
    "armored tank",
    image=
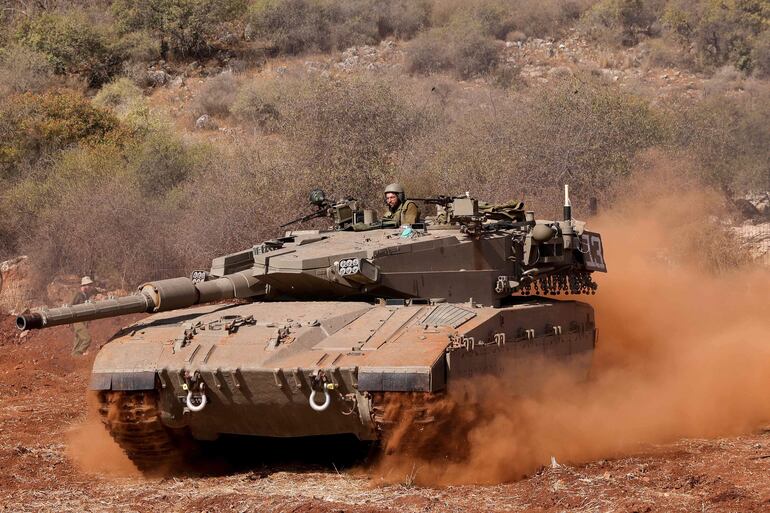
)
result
[(314, 332)]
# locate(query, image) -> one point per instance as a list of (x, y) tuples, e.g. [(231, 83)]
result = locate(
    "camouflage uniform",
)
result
[(406, 213), (82, 336)]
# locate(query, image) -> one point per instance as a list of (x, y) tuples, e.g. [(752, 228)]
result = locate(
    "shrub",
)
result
[(74, 44), (24, 70), (119, 96), (623, 20), (575, 130), (161, 161), (587, 132), (184, 27), (257, 104), (294, 26), (462, 48), (403, 18), (538, 18), (291, 26), (728, 137), (217, 96), (760, 55), (721, 32), (349, 131), (428, 53), (35, 125)]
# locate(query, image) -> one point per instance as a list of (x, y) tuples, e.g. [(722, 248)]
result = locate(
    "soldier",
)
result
[(400, 211), (82, 336)]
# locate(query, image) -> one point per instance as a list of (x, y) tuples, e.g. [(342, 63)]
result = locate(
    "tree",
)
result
[(182, 26)]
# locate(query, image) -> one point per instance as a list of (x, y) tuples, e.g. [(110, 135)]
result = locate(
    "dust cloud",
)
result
[(93, 451), (683, 351)]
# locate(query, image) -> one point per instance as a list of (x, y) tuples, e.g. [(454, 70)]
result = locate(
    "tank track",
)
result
[(133, 420), (413, 423)]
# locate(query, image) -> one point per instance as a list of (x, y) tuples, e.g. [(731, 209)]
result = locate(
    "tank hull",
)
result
[(258, 364)]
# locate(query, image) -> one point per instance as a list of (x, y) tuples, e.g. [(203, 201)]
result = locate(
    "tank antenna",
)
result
[(567, 204)]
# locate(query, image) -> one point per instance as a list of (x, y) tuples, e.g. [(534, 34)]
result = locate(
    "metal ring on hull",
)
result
[(324, 405), (199, 407)]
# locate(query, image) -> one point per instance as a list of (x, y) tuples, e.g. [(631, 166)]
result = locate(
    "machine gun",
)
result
[(344, 212)]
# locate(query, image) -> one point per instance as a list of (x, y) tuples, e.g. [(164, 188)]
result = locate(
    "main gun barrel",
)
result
[(158, 296)]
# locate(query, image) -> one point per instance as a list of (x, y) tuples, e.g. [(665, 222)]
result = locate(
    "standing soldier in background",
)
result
[(82, 337), (400, 211)]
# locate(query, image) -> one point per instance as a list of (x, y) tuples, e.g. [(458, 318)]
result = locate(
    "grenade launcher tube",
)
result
[(158, 296)]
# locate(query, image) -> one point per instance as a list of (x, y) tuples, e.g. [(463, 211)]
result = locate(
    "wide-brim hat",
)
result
[(85, 280)]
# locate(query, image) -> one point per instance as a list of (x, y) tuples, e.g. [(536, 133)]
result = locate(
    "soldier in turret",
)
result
[(82, 336), (400, 211)]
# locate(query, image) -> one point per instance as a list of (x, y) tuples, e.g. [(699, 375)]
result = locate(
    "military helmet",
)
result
[(397, 189)]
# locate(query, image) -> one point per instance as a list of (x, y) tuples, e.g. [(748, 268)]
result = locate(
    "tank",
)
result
[(317, 331)]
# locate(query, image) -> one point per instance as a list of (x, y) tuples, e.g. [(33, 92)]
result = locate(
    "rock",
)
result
[(760, 201), (205, 123), (157, 77), (15, 286), (756, 240), (281, 70), (177, 82)]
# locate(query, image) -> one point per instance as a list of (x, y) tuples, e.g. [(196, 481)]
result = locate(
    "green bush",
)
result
[(185, 27), (722, 32), (161, 161), (119, 96), (36, 125), (74, 44)]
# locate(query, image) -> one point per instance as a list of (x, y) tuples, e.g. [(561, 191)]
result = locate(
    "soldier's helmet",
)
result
[(85, 280), (397, 189)]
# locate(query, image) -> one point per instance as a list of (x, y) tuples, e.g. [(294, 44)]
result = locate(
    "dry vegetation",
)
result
[(98, 177)]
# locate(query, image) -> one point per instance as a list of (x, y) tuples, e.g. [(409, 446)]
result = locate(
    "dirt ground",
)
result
[(56, 457)]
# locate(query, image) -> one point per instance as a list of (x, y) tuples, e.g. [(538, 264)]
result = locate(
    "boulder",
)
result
[(205, 123), (15, 286)]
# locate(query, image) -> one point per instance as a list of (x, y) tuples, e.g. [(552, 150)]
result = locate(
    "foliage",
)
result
[(624, 20), (462, 48), (576, 130), (722, 31), (119, 95), (728, 137), (74, 44), (349, 131), (24, 70), (184, 27), (35, 125), (294, 26), (257, 103), (217, 96)]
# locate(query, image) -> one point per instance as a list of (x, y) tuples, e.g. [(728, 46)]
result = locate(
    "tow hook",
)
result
[(320, 380), (202, 400)]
